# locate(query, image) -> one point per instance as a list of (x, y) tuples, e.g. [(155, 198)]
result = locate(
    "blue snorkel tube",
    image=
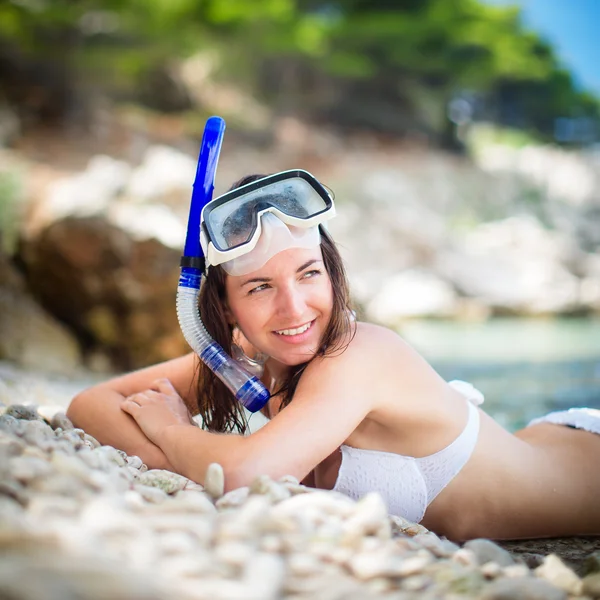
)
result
[(247, 388)]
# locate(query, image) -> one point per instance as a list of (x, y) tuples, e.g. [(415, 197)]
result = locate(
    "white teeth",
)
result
[(295, 331)]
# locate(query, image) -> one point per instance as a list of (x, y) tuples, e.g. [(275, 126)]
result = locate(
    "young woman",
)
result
[(353, 407)]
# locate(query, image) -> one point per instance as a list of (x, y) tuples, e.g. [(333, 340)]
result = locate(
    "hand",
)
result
[(157, 408)]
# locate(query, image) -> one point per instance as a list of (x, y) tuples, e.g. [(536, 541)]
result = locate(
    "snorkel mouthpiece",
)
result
[(247, 388)]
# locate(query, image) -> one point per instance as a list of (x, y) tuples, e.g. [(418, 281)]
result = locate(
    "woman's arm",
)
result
[(327, 407), (97, 410)]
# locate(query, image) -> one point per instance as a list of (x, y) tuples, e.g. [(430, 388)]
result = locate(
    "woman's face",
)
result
[(284, 307)]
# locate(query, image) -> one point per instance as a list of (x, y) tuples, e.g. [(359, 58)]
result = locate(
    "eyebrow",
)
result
[(305, 265)]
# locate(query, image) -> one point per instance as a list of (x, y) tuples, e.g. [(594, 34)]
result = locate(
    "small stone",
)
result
[(465, 557), (371, 564), (11, 446), (304, 564), (416, 583), (515, 571), (591, 585), (60, 420), (437, 547), (27, 468), (10, 510), (288, 479), (14, 490), (379, 585), (270, 543), (526, 588), (91, 459), (297, 488), (134, 461), (22, 411), (234, 553), (214, 481), (491, 570), (192, 501), (49, 507), (592, 563), (558, 574), (263, 576), (72, 437), (11, 425), (113, 455), (150, 493), (133, 472), (487, 551), (370, 517), (414, 565), (167, 481), (264, 485), (404, 527), (176, 543), (91, 441), (192, 486), (234, 498), (36, 452), (61, 484)]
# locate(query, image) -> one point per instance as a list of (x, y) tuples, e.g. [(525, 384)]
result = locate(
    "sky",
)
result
[(573, 28)]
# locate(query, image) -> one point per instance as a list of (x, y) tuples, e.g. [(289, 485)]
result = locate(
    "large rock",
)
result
[(515, 265), (101, 251), (118, 293), (29, 336), (412, 293)]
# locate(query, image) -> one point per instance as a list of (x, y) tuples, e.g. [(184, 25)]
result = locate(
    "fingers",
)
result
[(164, 386), (139, 398), (130, 407)]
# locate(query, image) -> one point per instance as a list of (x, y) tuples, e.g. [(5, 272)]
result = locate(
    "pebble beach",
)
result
[(86, 521)]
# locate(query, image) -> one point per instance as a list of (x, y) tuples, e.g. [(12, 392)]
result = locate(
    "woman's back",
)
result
[(510, 485)]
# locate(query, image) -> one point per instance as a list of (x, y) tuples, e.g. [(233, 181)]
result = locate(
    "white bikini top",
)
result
[(409, 485)]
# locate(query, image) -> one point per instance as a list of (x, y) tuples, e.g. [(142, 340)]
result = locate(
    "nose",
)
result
[(291, 303)]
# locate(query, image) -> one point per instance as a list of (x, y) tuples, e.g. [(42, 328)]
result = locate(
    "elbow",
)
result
[(240, 467), (237, 477), (76, 408)]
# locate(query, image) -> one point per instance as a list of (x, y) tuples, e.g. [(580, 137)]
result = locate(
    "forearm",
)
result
[(98, 412), (191, 450)]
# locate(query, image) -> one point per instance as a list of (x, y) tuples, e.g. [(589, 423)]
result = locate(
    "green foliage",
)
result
[(337, 57), (10, 190), (485, 134)]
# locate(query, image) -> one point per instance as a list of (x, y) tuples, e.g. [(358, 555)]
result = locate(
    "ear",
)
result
[(229, 316)]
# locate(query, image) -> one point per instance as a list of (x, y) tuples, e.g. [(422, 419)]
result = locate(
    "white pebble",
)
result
[(214, 481)]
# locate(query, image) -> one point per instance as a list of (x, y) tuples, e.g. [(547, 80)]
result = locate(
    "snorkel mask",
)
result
[(244, 228), (241, 230)]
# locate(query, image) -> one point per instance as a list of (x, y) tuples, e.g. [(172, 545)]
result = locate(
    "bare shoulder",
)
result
[(369, 333), (378, 362), (377, 342), (370, 349)]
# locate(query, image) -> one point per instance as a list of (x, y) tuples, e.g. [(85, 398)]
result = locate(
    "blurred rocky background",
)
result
[(463, 152)]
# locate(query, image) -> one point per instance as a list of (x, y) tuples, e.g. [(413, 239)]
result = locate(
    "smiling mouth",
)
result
[(295, 331)]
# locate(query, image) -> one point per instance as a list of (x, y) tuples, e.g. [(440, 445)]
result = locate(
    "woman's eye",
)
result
[(258, 288), (312, 273)]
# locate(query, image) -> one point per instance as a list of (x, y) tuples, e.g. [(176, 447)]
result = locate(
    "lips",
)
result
[(296, 335), (295, 330)]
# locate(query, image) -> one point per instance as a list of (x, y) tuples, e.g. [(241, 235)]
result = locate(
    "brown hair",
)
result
[(220, 411)]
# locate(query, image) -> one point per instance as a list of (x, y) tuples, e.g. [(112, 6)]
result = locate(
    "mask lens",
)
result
[(234, 222)]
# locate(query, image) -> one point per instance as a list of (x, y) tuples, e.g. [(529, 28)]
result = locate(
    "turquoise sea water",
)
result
[(524, 367)]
